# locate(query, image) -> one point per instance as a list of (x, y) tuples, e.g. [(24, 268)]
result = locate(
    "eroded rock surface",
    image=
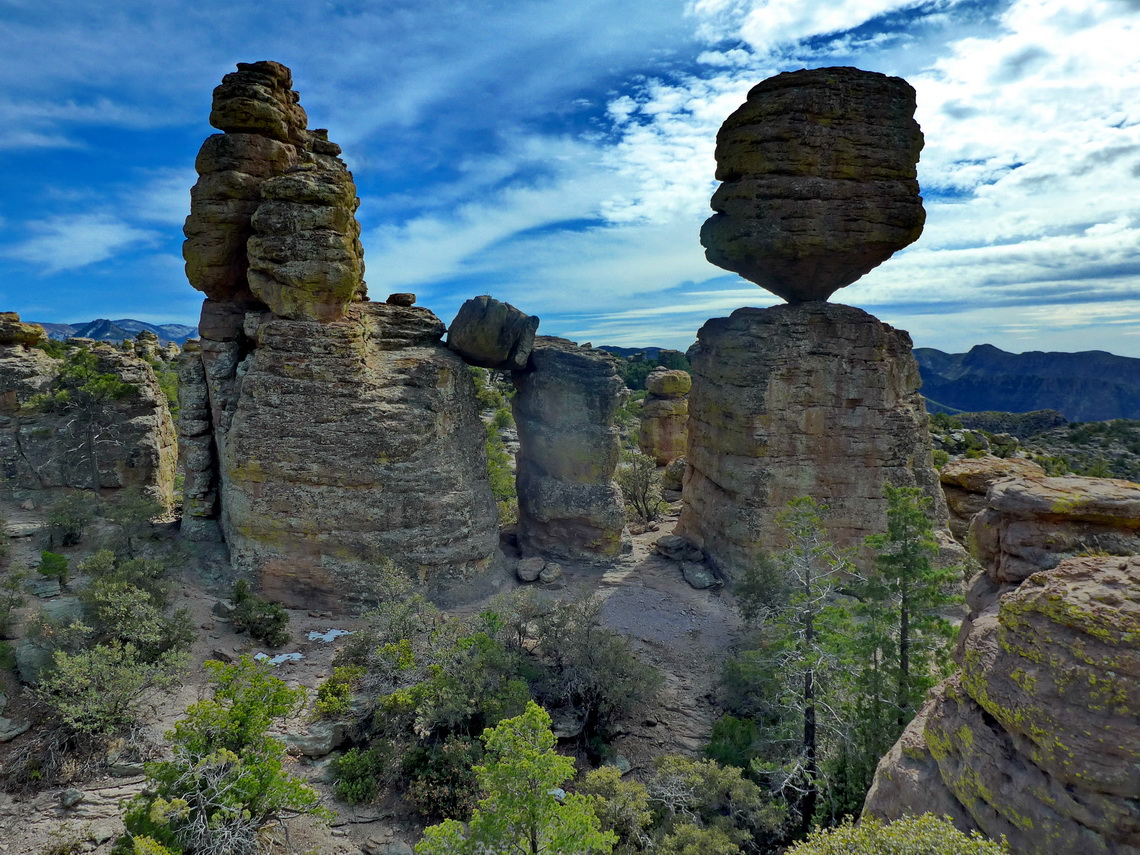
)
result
[(127, 441), (1038, 736), (664, 431), (811, 399), (966, 481), (1032, 523), (492, 334), (569, 507), (323, 435), (819, 181)]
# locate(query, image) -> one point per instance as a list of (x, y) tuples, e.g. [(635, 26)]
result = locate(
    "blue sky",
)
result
[(559, 155)]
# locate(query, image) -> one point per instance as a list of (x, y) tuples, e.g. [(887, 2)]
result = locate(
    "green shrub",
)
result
[(11, 598), (68, 519), (733, 742), (264, 621), (442, 783), (640, 486), (360, 772), (334, 695), (53, 566), (132, 512), (912, 835)]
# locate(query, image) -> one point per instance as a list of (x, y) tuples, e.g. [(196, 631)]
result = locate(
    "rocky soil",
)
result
[(685, 632)]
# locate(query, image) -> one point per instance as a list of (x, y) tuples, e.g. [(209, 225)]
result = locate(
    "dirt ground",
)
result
[(684, 632)]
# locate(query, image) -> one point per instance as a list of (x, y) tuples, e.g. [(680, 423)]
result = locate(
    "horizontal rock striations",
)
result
[(569, 507), (664, 430), (819, 181), (811, 399), (324, 437), (966, 481)]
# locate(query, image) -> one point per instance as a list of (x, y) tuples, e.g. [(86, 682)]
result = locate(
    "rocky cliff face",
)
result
[(1037, 737), (819, 181), (811, 399), (569, 507), (322, 434), (49, 441), (664, 431)]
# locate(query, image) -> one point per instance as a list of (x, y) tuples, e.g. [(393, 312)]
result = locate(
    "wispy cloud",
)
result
[(69, 243)]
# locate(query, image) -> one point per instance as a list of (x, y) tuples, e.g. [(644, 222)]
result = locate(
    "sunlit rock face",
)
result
[(812, 399), (1037, 738), (819, 181), (569, 506), (664, 431), (323, 435)]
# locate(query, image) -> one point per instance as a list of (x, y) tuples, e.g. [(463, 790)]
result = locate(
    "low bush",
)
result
[(912, 835), (263, 620), (334, 695), (53, 566), (442, 783), (69, 518), (361, 772)]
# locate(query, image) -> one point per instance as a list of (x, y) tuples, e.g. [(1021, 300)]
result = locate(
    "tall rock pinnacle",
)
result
[(819, 181)]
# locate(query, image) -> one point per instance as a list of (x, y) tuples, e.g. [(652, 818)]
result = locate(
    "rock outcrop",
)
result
[(13, 331), (812, 399), (966, 481), (323, 435), (569, 507), (664, 431), (53, 436), (819, 172), (492, 334), (1038, 736), (1031, 524)]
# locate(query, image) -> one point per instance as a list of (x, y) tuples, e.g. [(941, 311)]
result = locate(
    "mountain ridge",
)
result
[(103, 329)]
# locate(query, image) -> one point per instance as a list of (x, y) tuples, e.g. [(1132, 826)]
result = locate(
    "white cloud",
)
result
[(68, 243)]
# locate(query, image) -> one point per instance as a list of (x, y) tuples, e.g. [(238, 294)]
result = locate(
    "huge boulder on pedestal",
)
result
[(569, 507), (820, 181), (809, 399)]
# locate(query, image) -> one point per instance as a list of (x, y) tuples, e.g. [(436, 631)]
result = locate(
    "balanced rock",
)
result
[(15, 332), (820, 181), (1037, 738), (569, 507), (810, 399), (664, 430), (966, 481), (1031, 524), (492, 334)]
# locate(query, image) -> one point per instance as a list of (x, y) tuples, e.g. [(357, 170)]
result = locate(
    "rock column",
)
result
[(664, 432), (569, 507)]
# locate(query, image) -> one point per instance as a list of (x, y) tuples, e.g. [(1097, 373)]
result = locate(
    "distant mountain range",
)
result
[(1088, 386), (105, 330)]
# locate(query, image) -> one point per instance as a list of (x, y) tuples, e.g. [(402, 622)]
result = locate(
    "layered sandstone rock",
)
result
[(811, 399), (14, 331), (664, 433), (1032, 523), (569, 507), (323, 436), (966, 481), (492, 334), (49, 442), (1038, 737), (819, 172)]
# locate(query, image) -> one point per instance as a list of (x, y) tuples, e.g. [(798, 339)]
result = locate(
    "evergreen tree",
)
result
[(525, 811)]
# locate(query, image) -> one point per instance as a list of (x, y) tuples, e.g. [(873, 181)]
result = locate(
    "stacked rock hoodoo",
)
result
[(569, 507), (322, 434), (812, 398), (1037, 737), (819, 181), (664, 432)]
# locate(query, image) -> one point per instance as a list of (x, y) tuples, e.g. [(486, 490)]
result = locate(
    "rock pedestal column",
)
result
[(809, 399), (569, 507), (664, 433)]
